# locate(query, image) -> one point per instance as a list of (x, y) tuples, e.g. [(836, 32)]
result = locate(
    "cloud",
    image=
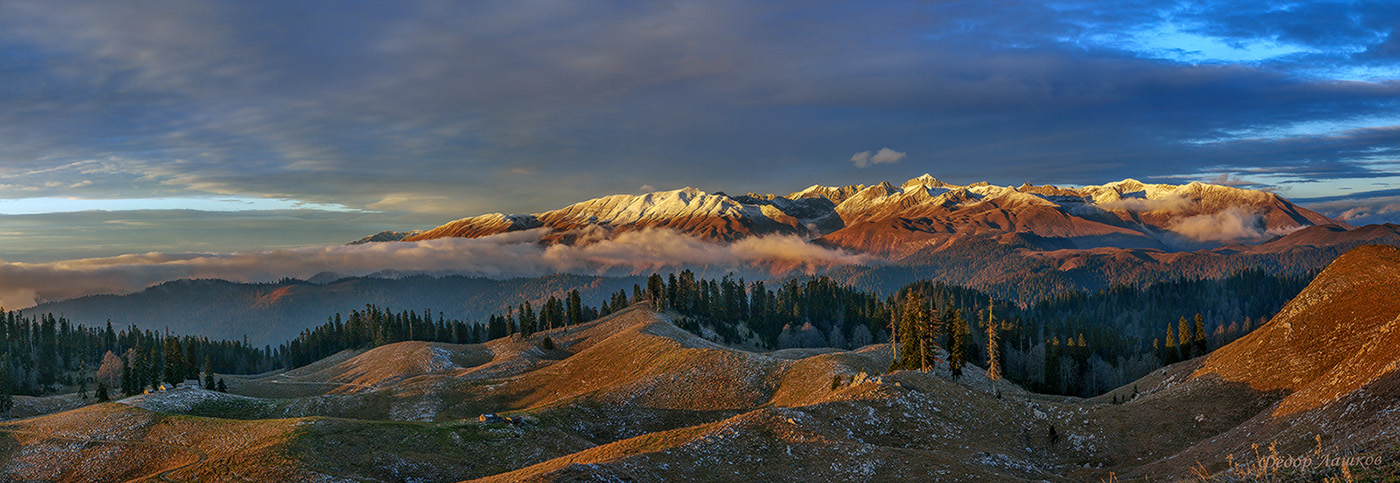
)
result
[(646, 188), (1172, 203), (864, 159), (372, 105), (505, 255), (1365, 211), (1232, 224)]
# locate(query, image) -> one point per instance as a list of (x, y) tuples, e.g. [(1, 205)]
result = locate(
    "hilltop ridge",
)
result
[(1340, 334)]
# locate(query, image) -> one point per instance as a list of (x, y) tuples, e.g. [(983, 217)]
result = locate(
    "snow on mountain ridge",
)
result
[(925, 211)]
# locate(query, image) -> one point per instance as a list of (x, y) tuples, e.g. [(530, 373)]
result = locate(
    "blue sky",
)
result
[(219, 126)]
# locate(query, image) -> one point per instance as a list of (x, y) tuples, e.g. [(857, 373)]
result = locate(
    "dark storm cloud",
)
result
[(448, 109)]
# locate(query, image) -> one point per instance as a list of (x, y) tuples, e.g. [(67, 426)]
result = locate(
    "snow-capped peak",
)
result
[(925, 181)]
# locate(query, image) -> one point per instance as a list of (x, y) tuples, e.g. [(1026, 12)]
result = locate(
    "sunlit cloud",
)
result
[(505, 255), (372, 107), (865, 159), (29, 206)]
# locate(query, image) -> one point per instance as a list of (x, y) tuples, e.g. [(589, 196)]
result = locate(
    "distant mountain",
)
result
[(925, 214), (1025, 269), (1022, 243), (710, 216), (386, 236), (272, 313)]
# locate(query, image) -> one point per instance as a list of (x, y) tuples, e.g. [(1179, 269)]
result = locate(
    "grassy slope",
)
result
[(632, 396)]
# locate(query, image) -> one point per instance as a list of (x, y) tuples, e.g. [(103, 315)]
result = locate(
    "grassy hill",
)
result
[(633, 397)]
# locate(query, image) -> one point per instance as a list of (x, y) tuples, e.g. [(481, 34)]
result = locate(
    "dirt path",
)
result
[(163, 475)]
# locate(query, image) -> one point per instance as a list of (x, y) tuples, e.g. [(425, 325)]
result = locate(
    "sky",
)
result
[(214, 127)]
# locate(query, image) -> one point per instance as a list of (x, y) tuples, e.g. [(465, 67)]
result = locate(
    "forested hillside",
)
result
[(1007, 270), (1075, 343), (272, 313)]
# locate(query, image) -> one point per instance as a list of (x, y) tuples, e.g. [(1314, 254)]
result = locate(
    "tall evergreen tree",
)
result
[(127, 382), (956, 348), (208, 374), (1198, 341), (7, 398), (993, 355), (575, 308), (1183, 339), (174, 372), (656, 290), (1170, 353)]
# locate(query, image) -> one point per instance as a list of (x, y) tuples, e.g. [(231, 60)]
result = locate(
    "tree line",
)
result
[(1075, 343), (1078, 343), (43, 354)]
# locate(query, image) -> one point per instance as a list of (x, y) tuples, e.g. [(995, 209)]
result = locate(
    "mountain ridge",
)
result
[(923, 213)]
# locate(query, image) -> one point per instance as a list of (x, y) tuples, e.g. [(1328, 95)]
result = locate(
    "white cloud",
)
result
[(1234, 224), (1172, 203), (646, 188), (1383, 209), (505, 255), (864, 159)]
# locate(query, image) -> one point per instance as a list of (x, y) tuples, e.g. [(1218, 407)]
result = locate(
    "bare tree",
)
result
[(993, 359), (110, 371)]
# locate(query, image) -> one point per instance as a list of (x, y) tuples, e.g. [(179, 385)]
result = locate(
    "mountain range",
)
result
[(1018, 243), (924, 214), (1024, 242)]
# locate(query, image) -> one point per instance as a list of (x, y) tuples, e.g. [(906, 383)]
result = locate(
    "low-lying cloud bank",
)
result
[(1191, 229), (1383, 209), (1232, 225), (516, 254)]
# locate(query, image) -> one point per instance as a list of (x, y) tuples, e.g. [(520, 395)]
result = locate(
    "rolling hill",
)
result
[(633, 397)]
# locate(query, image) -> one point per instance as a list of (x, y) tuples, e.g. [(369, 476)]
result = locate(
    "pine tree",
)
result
[(127, 383), (956, 347), (1051, 368), (101, 393), (208, 374), (993, 355), (174, 359), (916, 332), (527, 318), (1199, 341), (656, 289), (894, 339), (221, 387), (1170, 348), (575, 308), (7, 398), (1183, 339)]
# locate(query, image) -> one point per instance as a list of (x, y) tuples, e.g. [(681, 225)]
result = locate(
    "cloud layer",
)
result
[(505, 255), (440, 109)]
